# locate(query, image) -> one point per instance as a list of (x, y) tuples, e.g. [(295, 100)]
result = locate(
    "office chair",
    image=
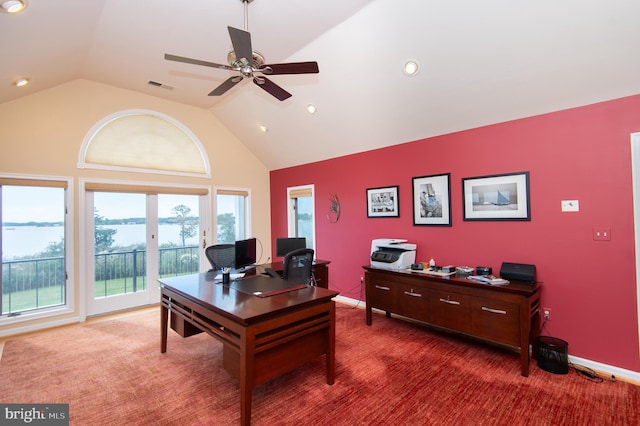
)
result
[(221, 256), (298, 266)]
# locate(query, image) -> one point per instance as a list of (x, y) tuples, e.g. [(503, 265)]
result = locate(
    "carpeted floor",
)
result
[(392, 373)]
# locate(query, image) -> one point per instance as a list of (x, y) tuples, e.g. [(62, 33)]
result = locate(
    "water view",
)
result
[(20, 241)]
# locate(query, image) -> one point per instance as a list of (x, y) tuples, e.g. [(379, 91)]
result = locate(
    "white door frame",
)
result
[(86, 259), (635, 173)]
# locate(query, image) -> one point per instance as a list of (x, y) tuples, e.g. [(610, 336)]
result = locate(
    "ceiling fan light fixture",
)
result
[(21, 82), (311, 108), (257, 57), (13, 6), (411, 67)]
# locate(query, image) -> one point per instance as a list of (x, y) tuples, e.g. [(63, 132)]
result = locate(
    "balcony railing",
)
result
[(38, 283)]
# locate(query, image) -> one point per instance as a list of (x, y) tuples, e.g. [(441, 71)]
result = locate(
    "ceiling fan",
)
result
[(250, 63)]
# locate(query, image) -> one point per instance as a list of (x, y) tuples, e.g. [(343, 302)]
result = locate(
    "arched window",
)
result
[(143, 141)]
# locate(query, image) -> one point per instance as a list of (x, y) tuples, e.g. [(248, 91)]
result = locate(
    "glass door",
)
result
[(137, 238), (178, 235), (119, 263)]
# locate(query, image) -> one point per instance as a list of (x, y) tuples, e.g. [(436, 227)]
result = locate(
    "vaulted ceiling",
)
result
[(481, 62)]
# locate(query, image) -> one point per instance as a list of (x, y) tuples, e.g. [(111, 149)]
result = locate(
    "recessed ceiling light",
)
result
[(311, 108), (12, 6), (411, 68), (263, 128), (21, 82)]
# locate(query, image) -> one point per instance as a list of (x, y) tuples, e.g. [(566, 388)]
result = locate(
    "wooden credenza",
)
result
[(507, 315)]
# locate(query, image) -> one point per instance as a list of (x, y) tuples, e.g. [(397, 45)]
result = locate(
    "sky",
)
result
[(30, 204)]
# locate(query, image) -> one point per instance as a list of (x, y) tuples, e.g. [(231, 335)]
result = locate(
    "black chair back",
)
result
[(298, 266), (221, 256)]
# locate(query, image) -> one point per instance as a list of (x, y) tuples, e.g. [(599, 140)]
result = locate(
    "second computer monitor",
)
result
[(245, 254), (285, 245)]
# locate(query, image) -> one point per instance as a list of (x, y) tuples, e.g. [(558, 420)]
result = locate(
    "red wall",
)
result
[(582, 153)]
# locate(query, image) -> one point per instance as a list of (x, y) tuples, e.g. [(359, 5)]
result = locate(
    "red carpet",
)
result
[(392, 373)]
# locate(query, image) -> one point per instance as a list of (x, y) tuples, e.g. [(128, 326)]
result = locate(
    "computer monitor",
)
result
[(285, 245), (245, 254)]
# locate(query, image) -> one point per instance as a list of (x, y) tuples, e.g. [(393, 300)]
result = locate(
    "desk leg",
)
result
[(247, 366), (164, 318), (331, 344)]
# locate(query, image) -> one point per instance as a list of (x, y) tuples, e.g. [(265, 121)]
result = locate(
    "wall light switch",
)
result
[(570, 206)]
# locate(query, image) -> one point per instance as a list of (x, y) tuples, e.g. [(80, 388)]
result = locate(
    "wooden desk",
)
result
[(508, 315), (263, 337)]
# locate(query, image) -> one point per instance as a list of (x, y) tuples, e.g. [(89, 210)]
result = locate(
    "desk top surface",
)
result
[(236, 302)]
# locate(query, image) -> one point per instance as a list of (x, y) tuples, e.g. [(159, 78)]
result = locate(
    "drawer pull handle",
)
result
[(379, 287), (408, 293), (450, 302), (494, 311)]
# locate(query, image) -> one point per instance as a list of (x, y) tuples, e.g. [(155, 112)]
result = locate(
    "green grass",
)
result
[(53, 296), (29, 299), (119, 286)]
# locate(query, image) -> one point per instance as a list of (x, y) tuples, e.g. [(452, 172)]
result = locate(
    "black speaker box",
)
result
[(518, 272)]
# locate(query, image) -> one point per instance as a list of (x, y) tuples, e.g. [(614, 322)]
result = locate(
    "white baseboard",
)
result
[(28, 328), (602, 369), (607, 370), (350, 301)]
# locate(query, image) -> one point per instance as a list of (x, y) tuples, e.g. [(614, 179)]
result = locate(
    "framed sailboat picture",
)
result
[(496, 197)]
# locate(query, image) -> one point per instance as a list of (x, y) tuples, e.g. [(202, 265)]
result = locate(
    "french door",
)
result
[(137, 237)]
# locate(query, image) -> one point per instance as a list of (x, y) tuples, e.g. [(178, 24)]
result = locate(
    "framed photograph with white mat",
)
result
[(383, 202), (432, 200), (496, 197)]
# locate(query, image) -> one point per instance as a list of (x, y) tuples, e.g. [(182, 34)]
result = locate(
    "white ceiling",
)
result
[(482, 62)]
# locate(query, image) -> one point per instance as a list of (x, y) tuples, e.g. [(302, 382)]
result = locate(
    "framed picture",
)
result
[(432, 200), (496, 197), (383, 202)]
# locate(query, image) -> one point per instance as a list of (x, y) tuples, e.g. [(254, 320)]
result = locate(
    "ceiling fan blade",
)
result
[(196, 62), (241, 41), (226, 85), (271, 88), (290, 68)]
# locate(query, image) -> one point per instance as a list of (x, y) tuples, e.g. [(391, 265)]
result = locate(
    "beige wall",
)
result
[(42, 135)]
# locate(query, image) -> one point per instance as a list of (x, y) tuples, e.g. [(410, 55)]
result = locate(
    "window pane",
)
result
[(33, 250), (304, 219), (231, 218)]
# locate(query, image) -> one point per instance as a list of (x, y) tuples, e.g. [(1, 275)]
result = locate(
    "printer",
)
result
[(392, 253)]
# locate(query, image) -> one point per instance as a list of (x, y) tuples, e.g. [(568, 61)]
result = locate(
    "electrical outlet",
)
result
[(601, 234), (361, 280), (546, 314)]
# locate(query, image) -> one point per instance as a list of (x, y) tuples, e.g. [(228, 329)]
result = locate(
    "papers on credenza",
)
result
[(437, 273), (488, 279)]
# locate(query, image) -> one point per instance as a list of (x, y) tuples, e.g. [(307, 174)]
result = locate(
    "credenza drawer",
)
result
[(413, 302), (496, 320), (381, 295), (450, 310)]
